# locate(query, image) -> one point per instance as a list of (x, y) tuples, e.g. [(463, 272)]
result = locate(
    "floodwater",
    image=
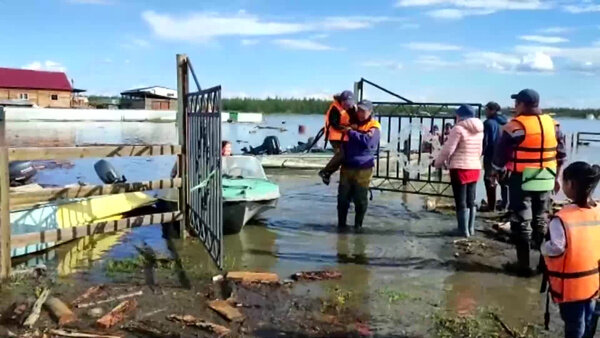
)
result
[(402, 251)]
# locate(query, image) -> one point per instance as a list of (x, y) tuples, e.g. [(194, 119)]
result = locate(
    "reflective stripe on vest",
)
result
[(538, 149), (332, 133), (574, 275)]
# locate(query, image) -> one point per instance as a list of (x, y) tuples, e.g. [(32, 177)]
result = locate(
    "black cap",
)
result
[(528, 96), (493, 106), (365, 105), (345, 96)]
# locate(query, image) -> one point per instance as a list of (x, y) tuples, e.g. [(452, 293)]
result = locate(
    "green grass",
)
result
[(132, 265), (485, 323)]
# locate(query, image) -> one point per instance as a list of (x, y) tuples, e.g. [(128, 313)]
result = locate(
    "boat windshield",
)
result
[(242, 167)]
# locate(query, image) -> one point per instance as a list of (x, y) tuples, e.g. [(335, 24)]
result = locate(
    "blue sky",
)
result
[(426, 50)]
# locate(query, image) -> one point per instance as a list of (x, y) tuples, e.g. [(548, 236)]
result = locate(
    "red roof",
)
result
[(33, 79)]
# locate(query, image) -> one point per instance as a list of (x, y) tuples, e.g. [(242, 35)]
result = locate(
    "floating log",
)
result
[(253, 277), (188, 320), (118, 314), (111, 299), (60, 311), (317, 275), (37, 308), (74, 334), (226, 310), (91, 292)]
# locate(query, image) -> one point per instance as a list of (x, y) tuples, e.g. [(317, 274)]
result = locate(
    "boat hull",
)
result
[(237, 214)]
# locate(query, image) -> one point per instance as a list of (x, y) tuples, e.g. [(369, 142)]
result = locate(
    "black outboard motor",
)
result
[(20, 172), (107, 173), (270, 146)]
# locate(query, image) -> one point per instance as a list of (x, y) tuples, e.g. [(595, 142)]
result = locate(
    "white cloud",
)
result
[(408, 25), (578, 9), (574, 55), (107, 60), (319, 36), (531, 62), (393, 65), (457, 14), (555, 30), (537, 62), (140, 42), (432, 46), (46, 65), (302, 44), (249, 42), (204, 26), (480, 4), (543, 39)]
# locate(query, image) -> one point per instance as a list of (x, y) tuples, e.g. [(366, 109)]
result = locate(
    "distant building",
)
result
[(103, 102), (40, 88), (151, 98)]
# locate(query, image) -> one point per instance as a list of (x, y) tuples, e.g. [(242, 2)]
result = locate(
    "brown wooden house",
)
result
[(42, 88)]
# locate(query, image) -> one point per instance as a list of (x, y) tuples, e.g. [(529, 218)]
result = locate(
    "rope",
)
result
[(204, 183)]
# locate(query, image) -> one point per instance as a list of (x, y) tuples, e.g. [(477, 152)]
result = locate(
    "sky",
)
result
[(425, 50)]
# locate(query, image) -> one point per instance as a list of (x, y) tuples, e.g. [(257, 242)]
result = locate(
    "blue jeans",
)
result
[(577, 317)]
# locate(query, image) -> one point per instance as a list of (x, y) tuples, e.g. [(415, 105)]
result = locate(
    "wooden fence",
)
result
[(18, 200)]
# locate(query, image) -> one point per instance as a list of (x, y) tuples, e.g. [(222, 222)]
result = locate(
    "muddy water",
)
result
[(399, 271)]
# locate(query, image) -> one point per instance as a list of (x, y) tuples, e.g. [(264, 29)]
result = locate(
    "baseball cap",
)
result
[(365, 105), (345, 96), (465, 111), (528, 96)]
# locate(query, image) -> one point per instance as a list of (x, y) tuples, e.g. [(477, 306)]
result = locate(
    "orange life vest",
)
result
[(574, 276), (538, 149), (332, 133), (372, 123)]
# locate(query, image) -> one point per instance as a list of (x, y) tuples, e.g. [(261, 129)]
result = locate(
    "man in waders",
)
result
[(338, 118), (357, 166), (532, 149)]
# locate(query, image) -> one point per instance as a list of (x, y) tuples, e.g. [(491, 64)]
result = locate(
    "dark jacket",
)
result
[(360, 150), (492, 130), (335, 116), (505, 147)]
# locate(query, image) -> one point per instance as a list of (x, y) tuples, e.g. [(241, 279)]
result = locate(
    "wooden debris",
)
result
[(188, 320), (317, 275), (225, 309), (146, 329), (253, 277), (16, 313), (152, 313), (507, 329), (112, 299), (89, 293), (74, 334), (37, 308), (60, 311), (117, 314)]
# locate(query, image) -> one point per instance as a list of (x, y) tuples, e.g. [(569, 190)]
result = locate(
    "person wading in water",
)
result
[(339, 117), (532, 150), (357, 166), (572, 252)]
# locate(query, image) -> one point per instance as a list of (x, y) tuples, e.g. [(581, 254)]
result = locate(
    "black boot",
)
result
[(522, 267), (491, 199), (342, 216), (361, 203)]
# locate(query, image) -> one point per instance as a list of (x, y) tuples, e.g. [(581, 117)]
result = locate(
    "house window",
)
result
[(54, 97), (24, 96)]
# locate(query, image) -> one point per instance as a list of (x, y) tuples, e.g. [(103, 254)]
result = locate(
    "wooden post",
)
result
[(182, 90), (5, 262)]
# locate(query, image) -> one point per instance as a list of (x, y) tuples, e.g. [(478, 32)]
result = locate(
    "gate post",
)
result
[(182, 91), (5, 263)]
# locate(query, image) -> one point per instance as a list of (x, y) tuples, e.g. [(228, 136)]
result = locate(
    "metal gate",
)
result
[(203, 157), (409, 142)]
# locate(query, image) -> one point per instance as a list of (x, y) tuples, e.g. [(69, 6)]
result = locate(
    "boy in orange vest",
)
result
[(572, 253)]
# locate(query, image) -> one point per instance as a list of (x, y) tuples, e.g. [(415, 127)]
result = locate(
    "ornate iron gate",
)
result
[(409, 143), (203, 155)]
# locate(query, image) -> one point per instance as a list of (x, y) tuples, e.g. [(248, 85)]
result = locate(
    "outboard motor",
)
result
[(107, 173), (270, 146), (20, 172)]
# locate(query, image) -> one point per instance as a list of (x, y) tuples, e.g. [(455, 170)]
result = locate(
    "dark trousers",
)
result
[(354, 187), (529, 212), (464, 194), (577, 317), (335, 162), (491, 183)]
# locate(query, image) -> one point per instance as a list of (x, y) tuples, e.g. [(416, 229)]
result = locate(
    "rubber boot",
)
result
[(361, 202), (491, 199), (462, 217), (522, 267), (472, 214), (342, 216)]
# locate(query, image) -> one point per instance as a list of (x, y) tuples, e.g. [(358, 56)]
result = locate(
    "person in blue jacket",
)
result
[(492, 129)]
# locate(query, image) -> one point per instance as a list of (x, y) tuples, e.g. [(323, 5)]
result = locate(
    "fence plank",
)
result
[(28, 198), (182, 94), (5, 263), (61, 235), (66, 153)]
